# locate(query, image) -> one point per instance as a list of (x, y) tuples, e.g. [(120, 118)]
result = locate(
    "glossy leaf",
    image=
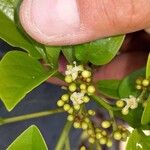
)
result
[(146, 113), (138, 141), (69, 54), (127, 86), (19, 74), (148, 67), (109, 88), (30, 139), (99, 52), (9, 31), (53, 55)]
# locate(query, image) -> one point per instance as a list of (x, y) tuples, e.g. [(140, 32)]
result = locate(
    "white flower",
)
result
[(131, 102), (77, 98), (73, 70)]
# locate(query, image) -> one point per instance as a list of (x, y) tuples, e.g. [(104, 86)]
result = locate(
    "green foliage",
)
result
[(30, 139), (148, 67), (19, 74), (146, 113), (99, 52), (127, 86), (68, 52), (9, 31), (138, 141), (53, 55), (109, 88)]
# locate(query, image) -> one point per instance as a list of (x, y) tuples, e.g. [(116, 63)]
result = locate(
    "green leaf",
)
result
[(109, 88), (148, 67), (53, 55), (138, 141), (69, 54), (19, 74), (99, 52), (9, 31), (30, 139), (127, 86), (133, 118), (146, 113)]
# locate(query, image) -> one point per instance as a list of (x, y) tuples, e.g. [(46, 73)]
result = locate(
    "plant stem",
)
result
[(114, 125), (102, 102), (142, 95), (63, 136), (29, 116)]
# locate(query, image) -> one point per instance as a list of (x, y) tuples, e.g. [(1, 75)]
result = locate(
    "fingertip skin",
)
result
[(67, 22)]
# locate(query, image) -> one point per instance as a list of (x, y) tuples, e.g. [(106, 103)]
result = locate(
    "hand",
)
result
[(65, 22)]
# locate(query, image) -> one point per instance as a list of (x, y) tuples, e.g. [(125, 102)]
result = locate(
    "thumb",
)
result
[(65, 22)]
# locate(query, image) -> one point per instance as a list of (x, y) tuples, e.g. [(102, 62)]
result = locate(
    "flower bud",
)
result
[(109, 143), (98, 135), (83, 148), (83, 86), (76, 125), (120, 103), (106, 124), (117, 135), (76, 107), (91, 89), (70, 118), (86, 74), (91, 140), (66, 107), (138, 87), (72, 87), (68, 79), (138, 81), (88, 80), (65, 97), (84, 125), (125, 111), (60, 103), (91, 112), (103, 140), (86, 99), (145, 82)]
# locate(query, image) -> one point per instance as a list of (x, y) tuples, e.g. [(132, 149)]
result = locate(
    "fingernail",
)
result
[(50, 21)]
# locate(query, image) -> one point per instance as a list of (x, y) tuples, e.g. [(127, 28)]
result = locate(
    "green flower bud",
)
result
[(84, 125), (68, 79), (86, 74), (72, 87), (120, 103), (90, 132), (125, 111), (104, 133), (66, 107), (117, 135), (65, 97), (86, 99), (87, 120), (103, 140), (98, 135), (91, 140), (124, 136), (76, 107), (83, 148), (106, 124), (91, 89), (83, 86), (91, 112), (70, 118), (88, 80), (70, 111), (145, 82), (76, 125), (139, 81), (138, 87), (109, 143), (60, 103)]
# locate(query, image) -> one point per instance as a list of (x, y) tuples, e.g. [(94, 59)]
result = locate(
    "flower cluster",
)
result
[(127, 103), (142, 83)]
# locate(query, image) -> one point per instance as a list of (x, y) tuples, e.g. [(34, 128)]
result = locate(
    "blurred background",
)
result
[(45, 97)]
